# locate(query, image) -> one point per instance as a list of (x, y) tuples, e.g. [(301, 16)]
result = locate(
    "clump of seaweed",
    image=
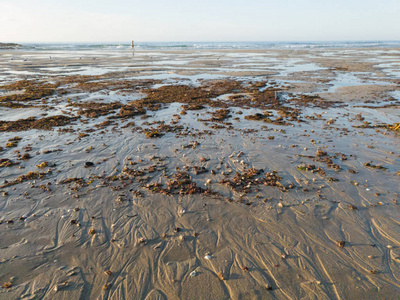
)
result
[(396, 127), (30, 90), (242, 182), (26, 177), (46, 123), (379, 167), (5, 162), (258, 117), (183, 184), (95, 109), (192, 107), (153, 134)]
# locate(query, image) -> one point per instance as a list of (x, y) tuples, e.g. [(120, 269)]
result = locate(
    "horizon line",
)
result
[(210, 41)]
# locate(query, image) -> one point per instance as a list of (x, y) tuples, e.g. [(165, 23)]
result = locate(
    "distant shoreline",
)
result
[(9, 45)]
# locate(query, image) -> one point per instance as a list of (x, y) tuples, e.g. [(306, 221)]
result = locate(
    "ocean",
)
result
[(149, 46)]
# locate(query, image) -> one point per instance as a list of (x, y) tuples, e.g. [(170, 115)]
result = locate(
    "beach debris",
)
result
[(246, 269), (46, 123), (153, 134), (11, 145), (108, 272), (199, 170), (395, 126), (220, 276), (89, 164), (5, 162), (92, 231), (121, 198), (207, 256), (321, 153), (142, 240), (107, 286), (340, 244), (373, 271), (61, 286), (29, 176), (25, 156), (379, 167), (352, 207), (389, 246), (7, 285), (43, 165), (193, 273)]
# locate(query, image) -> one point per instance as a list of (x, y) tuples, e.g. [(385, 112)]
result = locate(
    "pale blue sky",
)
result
[(201, 20)]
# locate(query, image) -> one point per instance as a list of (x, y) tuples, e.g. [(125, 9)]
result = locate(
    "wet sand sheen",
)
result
[(224, 190)]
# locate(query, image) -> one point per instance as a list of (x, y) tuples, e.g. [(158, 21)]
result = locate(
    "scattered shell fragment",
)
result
[(221, 276), (340, 244), (60, 286)]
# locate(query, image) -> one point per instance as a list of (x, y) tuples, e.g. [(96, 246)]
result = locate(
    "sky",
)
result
[(198, 20)]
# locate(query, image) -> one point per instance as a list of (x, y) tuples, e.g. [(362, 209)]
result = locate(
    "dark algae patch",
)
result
[(26, 91), (46, 123)]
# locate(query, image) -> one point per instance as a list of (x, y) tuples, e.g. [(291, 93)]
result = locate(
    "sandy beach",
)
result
[(200, 174)]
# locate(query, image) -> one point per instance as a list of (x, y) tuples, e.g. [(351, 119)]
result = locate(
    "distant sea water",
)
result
[(149, 46)]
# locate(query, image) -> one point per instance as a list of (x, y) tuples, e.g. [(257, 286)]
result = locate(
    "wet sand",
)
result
[(268, 174)]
